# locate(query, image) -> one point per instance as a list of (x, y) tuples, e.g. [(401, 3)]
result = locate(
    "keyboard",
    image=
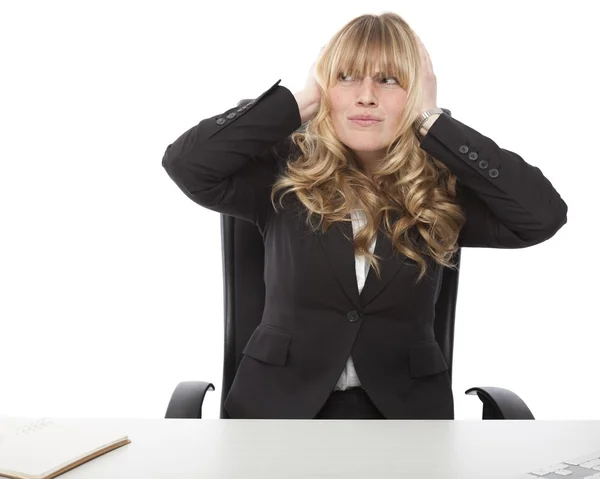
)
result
[(582, 467)]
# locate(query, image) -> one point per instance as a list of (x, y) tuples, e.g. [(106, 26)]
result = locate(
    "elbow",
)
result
[(175, 166), (194, 181), (558, 219), (547, 228), (170, 161)]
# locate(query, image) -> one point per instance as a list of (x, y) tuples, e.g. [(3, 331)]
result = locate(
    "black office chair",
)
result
[(244, 292)]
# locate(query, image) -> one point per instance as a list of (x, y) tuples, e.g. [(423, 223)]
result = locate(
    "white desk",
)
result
[(327, 449)]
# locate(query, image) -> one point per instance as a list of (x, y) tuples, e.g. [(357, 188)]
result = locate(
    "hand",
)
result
[(428, 78), (309, 99), (311, 88)]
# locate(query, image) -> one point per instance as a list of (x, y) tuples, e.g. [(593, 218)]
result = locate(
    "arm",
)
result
[(227, 163), (508, 202)]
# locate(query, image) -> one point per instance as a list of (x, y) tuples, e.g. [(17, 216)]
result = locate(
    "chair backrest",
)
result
[(244, 295)]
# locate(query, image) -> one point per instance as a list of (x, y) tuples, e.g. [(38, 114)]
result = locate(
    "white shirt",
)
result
[(349, 378)]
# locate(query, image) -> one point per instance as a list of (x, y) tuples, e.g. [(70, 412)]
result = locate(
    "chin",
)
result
[(366, 149)]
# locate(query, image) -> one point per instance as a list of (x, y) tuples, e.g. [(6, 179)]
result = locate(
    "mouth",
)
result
[(365, 122)]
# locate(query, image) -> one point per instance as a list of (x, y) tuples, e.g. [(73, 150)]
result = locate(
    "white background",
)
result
[(110, 277)]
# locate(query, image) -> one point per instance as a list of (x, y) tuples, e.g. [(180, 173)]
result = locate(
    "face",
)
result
[(376, 95)]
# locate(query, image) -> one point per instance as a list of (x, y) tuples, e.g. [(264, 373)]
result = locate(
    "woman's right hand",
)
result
[(309, 99), (311, 87)]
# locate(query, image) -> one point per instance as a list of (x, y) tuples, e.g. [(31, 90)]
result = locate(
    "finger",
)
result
[(421, 47), (425, 54)]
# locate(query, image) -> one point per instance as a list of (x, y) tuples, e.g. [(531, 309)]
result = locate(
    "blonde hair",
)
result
[(408, 184)]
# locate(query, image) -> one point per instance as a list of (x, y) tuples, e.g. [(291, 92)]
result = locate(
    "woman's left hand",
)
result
[(428, 79)]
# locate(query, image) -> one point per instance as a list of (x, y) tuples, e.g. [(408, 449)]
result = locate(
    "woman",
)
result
[(358, 217)]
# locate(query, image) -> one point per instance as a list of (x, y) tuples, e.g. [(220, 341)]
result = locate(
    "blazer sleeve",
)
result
[(508, 203), (228, 163)]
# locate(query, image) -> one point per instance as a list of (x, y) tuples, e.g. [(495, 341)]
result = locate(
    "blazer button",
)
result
[(493, 173), (220, 121), (231, 115), (463, 148), (473, 156), (353, 316), (483, 164)]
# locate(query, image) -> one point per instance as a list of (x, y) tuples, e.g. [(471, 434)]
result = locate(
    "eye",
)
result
[(388, 80), (344, 77), (394, 79)]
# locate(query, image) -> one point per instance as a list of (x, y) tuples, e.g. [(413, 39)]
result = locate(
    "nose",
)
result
[(366, 93)]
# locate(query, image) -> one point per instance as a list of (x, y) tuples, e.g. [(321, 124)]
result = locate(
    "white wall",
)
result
[(110, 277)]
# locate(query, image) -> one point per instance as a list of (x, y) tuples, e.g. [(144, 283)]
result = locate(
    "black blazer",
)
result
[(314, 317)]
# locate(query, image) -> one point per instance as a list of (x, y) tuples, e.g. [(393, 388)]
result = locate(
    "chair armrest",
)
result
[(186, 400), (500, 403)]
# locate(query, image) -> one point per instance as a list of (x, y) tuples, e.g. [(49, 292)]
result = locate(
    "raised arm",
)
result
[(227, 163), (508, 202)]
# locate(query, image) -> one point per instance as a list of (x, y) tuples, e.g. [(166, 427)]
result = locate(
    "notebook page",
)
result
[(39, 446)]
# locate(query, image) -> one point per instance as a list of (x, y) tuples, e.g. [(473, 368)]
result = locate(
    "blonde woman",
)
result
[(363, 189)]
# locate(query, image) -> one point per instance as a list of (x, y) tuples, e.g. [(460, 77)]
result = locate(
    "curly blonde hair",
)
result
[(409, 185)]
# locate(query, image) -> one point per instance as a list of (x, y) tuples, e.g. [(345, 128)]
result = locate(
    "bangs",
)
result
[(367, 50)]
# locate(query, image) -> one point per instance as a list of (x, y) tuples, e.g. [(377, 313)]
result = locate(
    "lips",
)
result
[(364, 117), (358, 121)]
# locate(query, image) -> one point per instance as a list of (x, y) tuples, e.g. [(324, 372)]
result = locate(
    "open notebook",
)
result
[(43, 449)]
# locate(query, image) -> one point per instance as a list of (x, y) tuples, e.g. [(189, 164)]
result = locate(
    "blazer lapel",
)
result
[(390, 263), (338, 245)]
